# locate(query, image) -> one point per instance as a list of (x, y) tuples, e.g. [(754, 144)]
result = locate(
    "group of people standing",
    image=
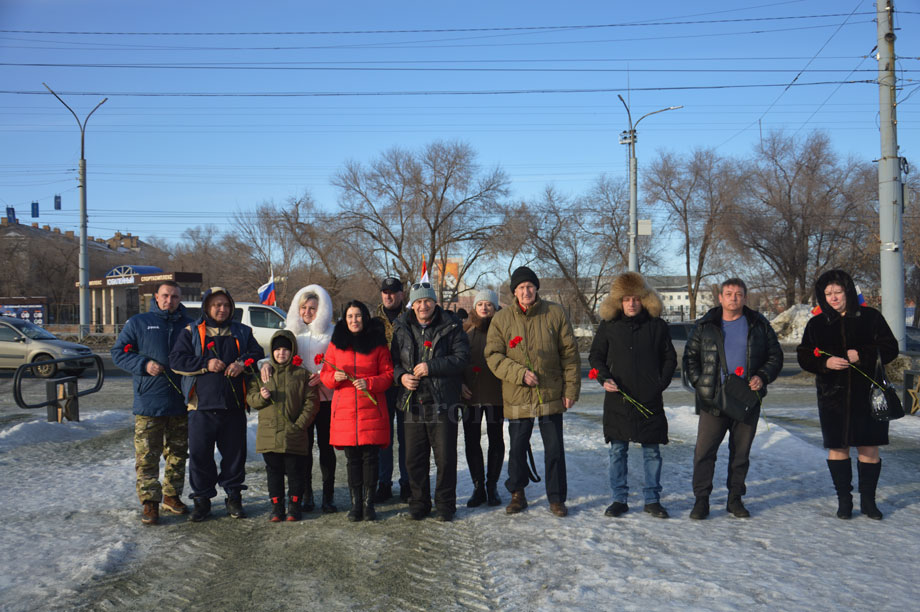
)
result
[(415, 370)]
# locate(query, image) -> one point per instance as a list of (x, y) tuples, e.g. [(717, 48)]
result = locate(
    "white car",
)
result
[(264, 320)]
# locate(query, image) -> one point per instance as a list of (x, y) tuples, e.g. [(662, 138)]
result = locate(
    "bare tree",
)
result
[(697, 191), (435, 203), (807, 211)]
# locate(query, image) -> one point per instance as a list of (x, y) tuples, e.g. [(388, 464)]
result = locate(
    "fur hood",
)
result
[(321, 325), (630, 283), (837, 277)]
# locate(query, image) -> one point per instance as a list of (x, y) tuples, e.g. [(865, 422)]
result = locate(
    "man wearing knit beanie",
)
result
[(531, 348)]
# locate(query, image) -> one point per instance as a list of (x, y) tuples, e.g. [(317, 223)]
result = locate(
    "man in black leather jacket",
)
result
[(749, 343)]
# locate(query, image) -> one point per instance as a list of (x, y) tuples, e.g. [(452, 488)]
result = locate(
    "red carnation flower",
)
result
[(515, 341), (297, 361), (817, 352), (427, 343), (210, 345), (318, 359), (249, 362), (129, 348), (476, 369), (593, 374), (739, 371)]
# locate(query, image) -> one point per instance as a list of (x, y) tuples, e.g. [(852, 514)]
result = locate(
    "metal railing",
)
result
[(61, 393)]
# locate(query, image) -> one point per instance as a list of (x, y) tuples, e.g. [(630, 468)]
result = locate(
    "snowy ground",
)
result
[(71, 536)]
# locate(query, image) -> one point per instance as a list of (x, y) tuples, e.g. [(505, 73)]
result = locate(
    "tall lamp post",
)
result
[(629, 137), (84, 252)]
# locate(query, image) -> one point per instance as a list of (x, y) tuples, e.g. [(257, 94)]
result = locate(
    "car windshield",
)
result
[(31, 330)]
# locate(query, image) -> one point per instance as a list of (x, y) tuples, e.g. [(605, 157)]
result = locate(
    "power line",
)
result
[(311, 94), (433, 30)]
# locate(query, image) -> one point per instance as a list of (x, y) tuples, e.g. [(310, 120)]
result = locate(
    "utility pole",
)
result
[(890, 192), (84, 251), (629, 137)]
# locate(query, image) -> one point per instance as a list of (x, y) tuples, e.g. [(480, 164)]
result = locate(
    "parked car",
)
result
[(264, 320), (912, 341), (24, 342), (680, 331)]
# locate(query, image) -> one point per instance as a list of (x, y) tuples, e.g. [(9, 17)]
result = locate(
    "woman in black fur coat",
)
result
[(845, 334)]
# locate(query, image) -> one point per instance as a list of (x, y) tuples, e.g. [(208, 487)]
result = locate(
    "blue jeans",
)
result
[(618, 469)]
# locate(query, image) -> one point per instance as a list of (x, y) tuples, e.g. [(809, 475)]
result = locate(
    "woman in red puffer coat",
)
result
[(358, 369)]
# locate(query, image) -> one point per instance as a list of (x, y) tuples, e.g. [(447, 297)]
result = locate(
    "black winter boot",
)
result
[(492, 495), (357, 505), (842, 475), (328, 497), (234, 504), (868, 482), (736, 507), (700, 509), (277, 514), (201, 510), (307, 503), (295, 509), (370, 513), (478, 497)]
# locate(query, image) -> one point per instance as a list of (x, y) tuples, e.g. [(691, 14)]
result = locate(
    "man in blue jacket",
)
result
[(211, 354), (160, 422)]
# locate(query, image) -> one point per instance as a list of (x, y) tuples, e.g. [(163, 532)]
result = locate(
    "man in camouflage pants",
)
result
[(161, 421)]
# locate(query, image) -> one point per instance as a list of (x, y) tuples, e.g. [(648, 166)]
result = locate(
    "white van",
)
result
[(264, 320)]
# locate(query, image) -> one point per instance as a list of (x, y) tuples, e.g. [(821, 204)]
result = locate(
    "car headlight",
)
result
[(68, 351)]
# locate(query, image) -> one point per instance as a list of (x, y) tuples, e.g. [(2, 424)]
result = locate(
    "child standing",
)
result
[(287, 406)]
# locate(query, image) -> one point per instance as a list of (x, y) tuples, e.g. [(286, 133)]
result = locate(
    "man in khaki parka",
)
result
[(531, 348)]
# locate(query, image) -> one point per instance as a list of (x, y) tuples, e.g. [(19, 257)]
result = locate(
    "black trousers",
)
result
[(361, 465), (279, 465), (326, 451), (519, 431), (428, 429), (227, 430), (472, 436), (709, 435)]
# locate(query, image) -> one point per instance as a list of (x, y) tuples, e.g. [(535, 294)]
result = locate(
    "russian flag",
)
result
[(424, 278), (267, 292)]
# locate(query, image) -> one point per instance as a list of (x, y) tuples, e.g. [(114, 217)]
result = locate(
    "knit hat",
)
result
[(281, 342), (420, 291), (523, 275), (486, 295)]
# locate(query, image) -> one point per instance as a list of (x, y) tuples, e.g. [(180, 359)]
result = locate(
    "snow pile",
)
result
[(790, 325)]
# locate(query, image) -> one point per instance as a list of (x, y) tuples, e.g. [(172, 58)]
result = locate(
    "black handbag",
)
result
[(885, 405), (739, 401)]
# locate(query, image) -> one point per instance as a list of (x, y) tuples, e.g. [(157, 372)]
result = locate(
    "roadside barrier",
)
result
[(61, 393)]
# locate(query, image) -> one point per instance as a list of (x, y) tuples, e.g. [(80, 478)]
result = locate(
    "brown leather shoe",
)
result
[(151, 515), (559, 509), (174, 504), (518, 502)]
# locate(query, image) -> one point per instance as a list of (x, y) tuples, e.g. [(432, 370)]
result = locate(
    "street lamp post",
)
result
[(84, 251), (629, 137)]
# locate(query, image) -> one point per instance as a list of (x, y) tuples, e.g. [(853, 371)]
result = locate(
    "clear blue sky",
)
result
[(161, 163)]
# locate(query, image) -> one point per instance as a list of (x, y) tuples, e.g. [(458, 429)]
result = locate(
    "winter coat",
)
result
[(703, 366), (189, 357), (312, 339), (844, 395), (381, 315), (286, 416), (548, 342), (478, 378), (448, 356), (355, 420), (152, 334), (637, 353)]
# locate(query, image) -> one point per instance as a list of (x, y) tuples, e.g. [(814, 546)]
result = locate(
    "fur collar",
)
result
[(321, 325), (372, 336)]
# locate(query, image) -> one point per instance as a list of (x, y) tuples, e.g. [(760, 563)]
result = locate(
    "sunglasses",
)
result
[(421, 286)]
